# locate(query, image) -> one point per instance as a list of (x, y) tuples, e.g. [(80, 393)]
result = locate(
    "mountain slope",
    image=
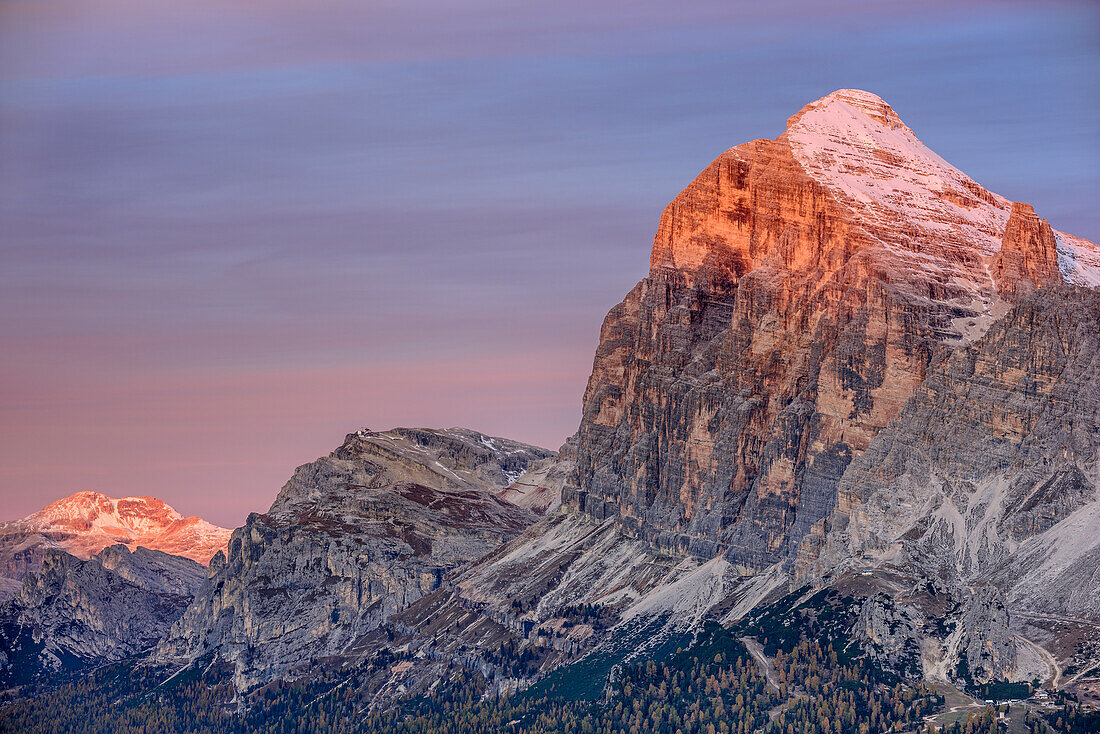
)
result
[(74, 612), (85, 523), (350, 540)]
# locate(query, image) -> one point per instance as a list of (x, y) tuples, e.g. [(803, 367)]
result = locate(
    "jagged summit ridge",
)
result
[(94, 509), (75, 612), (351, 539), (848, 171)]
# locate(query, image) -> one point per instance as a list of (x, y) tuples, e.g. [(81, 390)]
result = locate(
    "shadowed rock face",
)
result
[(74, 612), (887, 632), (997, 448), (799, 291), (983, 646), (351, 539)]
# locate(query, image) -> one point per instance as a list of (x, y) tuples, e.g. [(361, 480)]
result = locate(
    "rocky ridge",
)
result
[(888, 632), (351, 539), (73, 612)]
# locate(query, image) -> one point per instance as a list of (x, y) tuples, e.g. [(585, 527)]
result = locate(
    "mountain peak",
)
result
[(86, 510), (902, 193), (86, 522), (849, 179), (858, 101)]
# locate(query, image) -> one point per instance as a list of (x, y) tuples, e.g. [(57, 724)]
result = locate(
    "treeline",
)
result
[(713, 687), (1070, 719)]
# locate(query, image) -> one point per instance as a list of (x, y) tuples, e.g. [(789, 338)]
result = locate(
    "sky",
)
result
[(233, 232)]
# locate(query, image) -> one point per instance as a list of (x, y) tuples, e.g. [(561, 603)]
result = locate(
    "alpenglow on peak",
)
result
[(849, 157)]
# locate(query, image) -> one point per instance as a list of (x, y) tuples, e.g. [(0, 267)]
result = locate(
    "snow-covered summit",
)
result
[(857, 146), (903, 194), (85, 523)]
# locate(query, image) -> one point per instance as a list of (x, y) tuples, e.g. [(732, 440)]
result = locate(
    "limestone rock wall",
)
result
[(74, 612), (350, 540)]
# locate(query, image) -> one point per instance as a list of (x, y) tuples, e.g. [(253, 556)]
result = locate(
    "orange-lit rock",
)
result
[(87, 522), (1029, 254), (799, 289)]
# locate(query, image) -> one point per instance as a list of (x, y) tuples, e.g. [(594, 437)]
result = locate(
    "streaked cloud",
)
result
[(233, 232)]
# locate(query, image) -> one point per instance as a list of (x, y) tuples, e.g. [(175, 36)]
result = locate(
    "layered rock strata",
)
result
[(350, 540)]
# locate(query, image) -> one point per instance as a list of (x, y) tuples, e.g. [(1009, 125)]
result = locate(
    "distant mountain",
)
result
[(87, 522)]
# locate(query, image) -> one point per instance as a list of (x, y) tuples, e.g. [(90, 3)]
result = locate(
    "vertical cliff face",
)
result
[(989, 474), (799, 290), (887, 631), (982, 647), (1029, 254)]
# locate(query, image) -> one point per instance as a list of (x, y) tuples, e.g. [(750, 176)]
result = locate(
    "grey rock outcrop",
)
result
[(73, 612), (350, 540), (888, 633), (985, 649)]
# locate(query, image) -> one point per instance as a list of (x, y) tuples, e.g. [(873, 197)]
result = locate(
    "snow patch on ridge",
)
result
[(1078, 260)]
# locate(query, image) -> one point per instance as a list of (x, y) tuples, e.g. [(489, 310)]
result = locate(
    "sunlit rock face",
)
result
[(351, 539), (799, 291), (1029, 254), (85, 523)]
